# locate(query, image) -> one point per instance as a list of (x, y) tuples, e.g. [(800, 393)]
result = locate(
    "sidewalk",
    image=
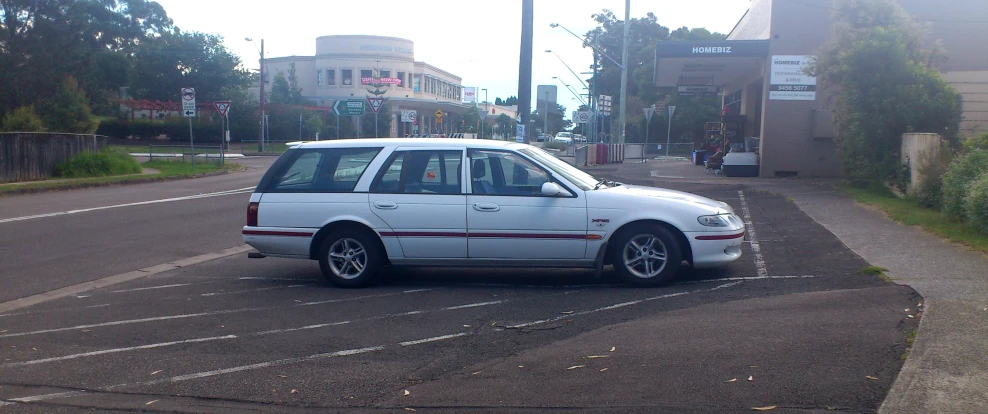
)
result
[(947, 369)]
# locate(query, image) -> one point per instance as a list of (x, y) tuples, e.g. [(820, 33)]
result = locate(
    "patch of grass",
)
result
[(162, 149), (103, 163), (166, 170), (877, 271), (910, 213), (910, 339)]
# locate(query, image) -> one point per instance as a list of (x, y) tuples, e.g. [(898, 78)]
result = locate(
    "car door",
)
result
[(509, 218), (420, 194)]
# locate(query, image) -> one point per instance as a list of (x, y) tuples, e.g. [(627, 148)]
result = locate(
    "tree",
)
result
[(881, 83), (556, 122), (512, 100), (177, 59), (24, 119), (68, 111)]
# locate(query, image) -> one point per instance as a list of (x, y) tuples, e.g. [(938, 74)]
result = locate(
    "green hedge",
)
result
[(175, 129), (976, 203), (98, 164), (962, 172)]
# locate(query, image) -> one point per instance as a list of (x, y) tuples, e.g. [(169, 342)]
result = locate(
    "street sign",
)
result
[(376, 103), (520, 133), (348, 108), (189, 102), (582, 117), (439, 114), (222, 107), (648, 113), (672, 110), (409, 116)]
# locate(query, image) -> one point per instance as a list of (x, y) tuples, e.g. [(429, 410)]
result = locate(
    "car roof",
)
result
[(410, 142)]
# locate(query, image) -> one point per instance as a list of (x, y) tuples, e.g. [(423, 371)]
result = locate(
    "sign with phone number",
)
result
[(789, 81)]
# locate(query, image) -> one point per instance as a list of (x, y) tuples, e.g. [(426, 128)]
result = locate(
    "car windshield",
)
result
[(574, 175)]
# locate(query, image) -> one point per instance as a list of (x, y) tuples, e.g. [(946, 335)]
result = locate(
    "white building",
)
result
[(342, 62)]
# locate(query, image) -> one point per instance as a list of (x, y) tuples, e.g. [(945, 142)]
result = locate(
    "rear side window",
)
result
[(321, 170)]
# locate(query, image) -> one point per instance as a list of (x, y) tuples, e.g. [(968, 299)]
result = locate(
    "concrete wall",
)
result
[(27, 156), (914, 148)]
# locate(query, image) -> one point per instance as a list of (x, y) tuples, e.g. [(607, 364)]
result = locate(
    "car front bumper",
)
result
[(715, 249)]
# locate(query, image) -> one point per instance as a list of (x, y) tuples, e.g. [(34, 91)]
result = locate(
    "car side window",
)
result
[(420, 172), (505, 173), (323, 170)]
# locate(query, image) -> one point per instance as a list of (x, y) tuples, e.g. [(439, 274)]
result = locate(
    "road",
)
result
[(793, 325)]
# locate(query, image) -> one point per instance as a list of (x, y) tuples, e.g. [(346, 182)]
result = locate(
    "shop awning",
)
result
[(712, 63)]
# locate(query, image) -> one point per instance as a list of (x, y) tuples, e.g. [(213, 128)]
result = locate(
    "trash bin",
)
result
[(699, 156)]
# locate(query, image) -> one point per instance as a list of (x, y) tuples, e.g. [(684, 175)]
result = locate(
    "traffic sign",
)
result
[(439, 114), (222, 107), (348, 108), (408, 116), (582, 117), (649, 112), (376, 103), (189, 102)]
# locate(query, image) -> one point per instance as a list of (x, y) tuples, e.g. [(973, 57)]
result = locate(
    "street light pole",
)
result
[(260, 141), (624, 70), (483, 119)]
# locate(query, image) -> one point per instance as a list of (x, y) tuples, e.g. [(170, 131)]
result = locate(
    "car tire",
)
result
[(350, 258), (647, 255)]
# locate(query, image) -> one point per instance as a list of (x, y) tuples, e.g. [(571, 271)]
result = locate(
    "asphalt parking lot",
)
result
[(793, 325)]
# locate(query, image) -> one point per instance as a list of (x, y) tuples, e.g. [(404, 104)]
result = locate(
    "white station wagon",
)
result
[(358, 205)]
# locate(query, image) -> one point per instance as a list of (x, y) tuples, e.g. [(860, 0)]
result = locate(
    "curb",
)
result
[(79, 186)]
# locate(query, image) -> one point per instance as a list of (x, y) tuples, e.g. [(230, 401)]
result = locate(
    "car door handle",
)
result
[(386, 205), (488, 207)]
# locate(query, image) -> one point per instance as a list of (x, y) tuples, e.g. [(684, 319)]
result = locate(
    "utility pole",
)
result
[(260, 145), (624, 70), (525, 66), (545, 117)]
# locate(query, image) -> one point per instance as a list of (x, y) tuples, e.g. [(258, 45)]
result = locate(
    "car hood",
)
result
[(670, 195)]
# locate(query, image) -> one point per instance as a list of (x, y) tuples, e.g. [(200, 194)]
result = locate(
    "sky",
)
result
[(478, 40)]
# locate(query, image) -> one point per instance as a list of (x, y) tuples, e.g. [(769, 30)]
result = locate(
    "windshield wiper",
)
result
[(604, 181)]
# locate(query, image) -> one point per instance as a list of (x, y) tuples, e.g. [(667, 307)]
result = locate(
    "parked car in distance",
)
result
[(361, 204), (564, 137)]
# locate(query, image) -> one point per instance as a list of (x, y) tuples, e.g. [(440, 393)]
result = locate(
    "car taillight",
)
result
[(252, 214)]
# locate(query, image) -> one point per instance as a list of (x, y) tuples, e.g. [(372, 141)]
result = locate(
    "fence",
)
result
[(26, 156), (674, 150), (173, 151)]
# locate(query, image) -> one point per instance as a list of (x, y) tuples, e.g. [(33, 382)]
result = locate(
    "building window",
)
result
[(417, 84), (401, 77), (365, 74), (318, 78), (385, 73), (347, 77), (331, 77)]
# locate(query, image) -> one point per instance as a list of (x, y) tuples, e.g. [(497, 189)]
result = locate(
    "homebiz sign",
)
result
[(711, 49)]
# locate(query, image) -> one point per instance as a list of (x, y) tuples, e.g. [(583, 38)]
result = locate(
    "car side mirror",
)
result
[(551, 189)]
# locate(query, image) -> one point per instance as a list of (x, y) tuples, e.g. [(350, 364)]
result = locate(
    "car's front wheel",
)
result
[(646, 256), (349, 258)]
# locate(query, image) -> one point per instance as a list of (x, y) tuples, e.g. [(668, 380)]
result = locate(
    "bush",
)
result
[(24, 119), (976, 203), (561, 146), (176, 129), (962, 172), (932, 165), (977, 143), (98, 164)]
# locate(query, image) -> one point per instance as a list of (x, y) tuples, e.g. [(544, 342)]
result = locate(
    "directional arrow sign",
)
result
[(348, 108), (189, 102)]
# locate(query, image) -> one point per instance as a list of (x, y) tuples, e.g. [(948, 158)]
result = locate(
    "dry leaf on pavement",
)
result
[(282, 376), (751, 378), (613, 348), (151, 402), (157, 372), (576, 366), (598, 356), (294, 391), (410, 409), (604, 369), (475, 373), (406, 392), (732, 380), (871, 377), (566, 312), (766, 408)]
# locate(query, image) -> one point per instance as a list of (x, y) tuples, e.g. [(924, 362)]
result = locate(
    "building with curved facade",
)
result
[(342, 64)]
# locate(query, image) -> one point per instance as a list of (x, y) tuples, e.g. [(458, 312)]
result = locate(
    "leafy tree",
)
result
[(882, 84), (556, 122), (177, 59), (244, 118), (383, 122), (24, 119), (68, 111), (285, 90), (470, 119), (512, 100), (294, 91)]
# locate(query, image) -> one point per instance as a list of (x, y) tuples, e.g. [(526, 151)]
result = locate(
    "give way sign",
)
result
[(222, 107)]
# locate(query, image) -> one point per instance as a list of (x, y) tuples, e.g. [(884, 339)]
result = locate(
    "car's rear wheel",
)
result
[(646, 256), (350, 258)]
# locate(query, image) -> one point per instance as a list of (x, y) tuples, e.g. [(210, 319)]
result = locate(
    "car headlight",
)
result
[(714, 221)]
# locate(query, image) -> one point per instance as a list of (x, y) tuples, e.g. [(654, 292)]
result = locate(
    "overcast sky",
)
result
[(477, 40)]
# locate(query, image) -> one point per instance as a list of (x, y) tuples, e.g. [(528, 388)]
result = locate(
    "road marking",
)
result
[(302, 328), (261, 365), (139, 203), (117, 279), (255, 290), (433, 339), (151, 288), (473, 305), (54, 310), (729, 279), (753, 237), (49, 396), (188, 315), (115, 350), (617, 306)]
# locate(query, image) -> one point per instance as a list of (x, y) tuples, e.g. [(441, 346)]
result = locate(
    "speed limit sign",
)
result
[(582, 117)]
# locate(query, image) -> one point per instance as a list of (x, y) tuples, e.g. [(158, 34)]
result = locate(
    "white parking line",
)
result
[(473, 305), (753, 237), (433, 339), (233, 292), (115, 350), (140, 203), (151, 288), (51, 396), (729, 279)]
